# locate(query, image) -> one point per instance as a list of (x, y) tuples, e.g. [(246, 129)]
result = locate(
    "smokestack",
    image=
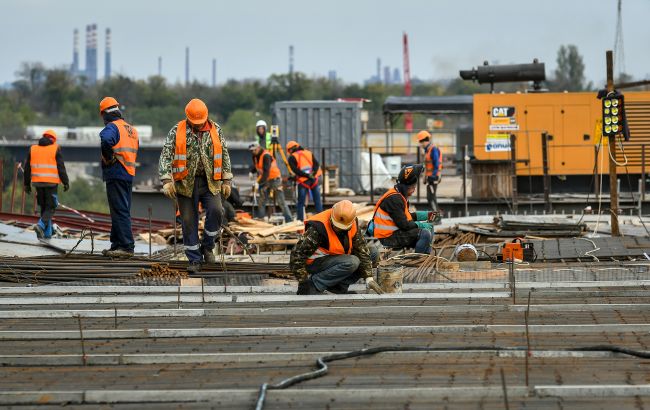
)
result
[(187, 66), (378, 69), (214, 72), (159, 66), (91, 53), (74, 69), (107, 55), (290, 59)]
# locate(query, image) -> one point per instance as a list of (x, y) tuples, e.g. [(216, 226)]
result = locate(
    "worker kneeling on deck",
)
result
[(332, 254), (194, 169), (393, 224)]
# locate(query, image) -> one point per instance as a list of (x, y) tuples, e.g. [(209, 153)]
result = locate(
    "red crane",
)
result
[(408, 118)]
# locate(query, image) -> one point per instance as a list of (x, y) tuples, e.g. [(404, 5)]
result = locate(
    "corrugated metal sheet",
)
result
[(332, 125)]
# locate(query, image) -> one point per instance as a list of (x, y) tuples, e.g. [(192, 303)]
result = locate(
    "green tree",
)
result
[(570, 71)]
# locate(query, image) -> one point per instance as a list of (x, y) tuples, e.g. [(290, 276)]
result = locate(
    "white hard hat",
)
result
[(260, 123)]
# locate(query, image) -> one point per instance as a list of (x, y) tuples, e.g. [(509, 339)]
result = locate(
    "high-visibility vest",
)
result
[(305, 160), (383, 223), (334, 245), (429, 163), (42, 161), (179, 163), (126, 150), (274, 172)]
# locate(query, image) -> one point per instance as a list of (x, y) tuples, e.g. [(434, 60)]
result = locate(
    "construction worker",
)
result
[(269, 180), (119, 147), (332, 254), (393, 224), (433, 165), (307, 171), (263, 135), (44, 168), (195, 169)]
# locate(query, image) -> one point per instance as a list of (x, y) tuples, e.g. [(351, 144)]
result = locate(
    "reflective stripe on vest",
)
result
[(305, 160), (274, 172), (179, 163), (42, 162), (429, 163), (383, 222), (335, 247), (126, 150)]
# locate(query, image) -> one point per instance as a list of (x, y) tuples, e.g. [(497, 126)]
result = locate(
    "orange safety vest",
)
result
[(429, 163), (274, 172), (42, 161), (179, 164), (126, 150), (305, 161), (335, 247), (384, 224)]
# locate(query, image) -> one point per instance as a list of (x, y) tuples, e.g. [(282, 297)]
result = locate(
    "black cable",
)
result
[(593, 179), (322, 370)]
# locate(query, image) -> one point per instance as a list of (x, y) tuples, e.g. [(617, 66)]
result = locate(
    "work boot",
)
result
[(341, 289), (194, 267), (307, 287), (119, 253), (208, 255), (40, 233)]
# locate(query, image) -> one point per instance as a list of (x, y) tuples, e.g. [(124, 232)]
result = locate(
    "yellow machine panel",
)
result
[(570, 120)]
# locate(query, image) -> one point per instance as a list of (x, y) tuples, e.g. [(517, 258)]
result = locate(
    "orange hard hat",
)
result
[(106, 103), (291, 145), (422, 135), (196, 112), (343, 215), (50, 134)]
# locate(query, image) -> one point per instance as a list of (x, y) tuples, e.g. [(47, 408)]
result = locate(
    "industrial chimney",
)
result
[(107, 55), (91, 53)]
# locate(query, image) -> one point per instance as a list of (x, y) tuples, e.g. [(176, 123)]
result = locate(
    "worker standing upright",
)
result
[(269, 181), (119, 148), (44, 167), (263, 136), (195, 169), (393, 224), (307, 171), (433, 165)]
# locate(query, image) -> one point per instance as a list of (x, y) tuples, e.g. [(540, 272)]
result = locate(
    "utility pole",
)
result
[(613, 178)]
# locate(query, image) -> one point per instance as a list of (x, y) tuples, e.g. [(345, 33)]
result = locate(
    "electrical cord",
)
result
[(322, 370)]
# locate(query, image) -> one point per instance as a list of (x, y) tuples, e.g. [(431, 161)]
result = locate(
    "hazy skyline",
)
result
[(250, 39)]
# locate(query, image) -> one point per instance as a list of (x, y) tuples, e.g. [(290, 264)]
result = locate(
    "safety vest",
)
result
[(335, 247), (126, 150), (179, 164), (384, 224), (274, 172), (268, 140), (42, 161), (429, 163), (305, 161)]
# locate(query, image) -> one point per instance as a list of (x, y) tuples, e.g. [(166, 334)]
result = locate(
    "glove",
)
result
[(28, 189), (371, 284), (424, 225), (251, 176), (422, 215), (66, 187), (226, 189), (169, 189)]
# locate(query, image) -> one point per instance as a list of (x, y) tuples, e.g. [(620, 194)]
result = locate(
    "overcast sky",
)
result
[(250, 39)]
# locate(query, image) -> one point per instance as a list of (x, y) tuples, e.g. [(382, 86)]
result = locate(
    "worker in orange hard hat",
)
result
[(433, 167), (44, 167), (332, 254), (305, 167), (195, 170), (119, 148)]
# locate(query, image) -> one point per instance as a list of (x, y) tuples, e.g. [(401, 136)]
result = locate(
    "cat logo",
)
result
[(503, 112)]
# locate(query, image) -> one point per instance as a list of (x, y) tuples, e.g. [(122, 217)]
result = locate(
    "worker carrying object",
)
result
[(119, 149), (269, 180), (433, 166), (44, 167), (307, 173), (332, 254), (263, 136), (195, 169), (392, 222)]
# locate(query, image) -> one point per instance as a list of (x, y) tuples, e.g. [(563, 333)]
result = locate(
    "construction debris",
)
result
[(161, 272)]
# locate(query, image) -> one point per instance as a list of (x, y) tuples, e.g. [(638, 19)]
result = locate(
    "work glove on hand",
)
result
[(251, 176), (66, 187), (226, 189), (422, 215), (424, 225), (371, 284), (169, 189), (28, 189)]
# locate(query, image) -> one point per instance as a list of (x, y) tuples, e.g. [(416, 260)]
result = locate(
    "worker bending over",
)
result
[(332, 254), (392, 222), (195, 169), (44, 167), (307, 171), (269, 181), (433, 165)]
